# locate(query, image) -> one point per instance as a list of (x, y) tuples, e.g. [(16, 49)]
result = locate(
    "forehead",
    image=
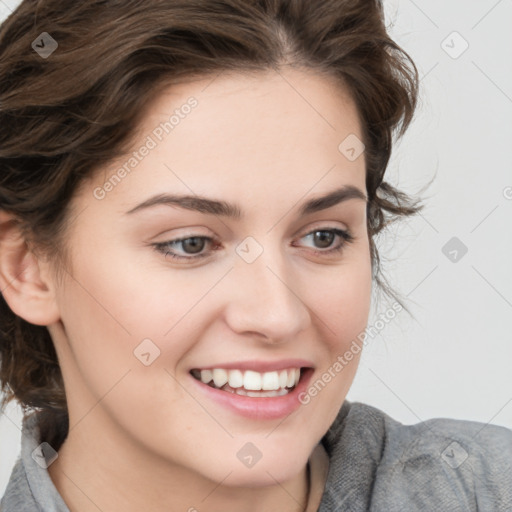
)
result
[(246, 135), (265, 99)]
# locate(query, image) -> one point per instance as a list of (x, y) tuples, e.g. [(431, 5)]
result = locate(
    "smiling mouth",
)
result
[(250, 383)]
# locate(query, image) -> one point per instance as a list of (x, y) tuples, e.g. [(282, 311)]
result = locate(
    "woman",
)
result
[(190, 194)]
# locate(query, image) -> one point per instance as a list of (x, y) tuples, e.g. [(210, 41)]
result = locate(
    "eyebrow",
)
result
[(225, 209)]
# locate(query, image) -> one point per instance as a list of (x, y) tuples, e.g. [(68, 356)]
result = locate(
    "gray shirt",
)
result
[(375, 464)]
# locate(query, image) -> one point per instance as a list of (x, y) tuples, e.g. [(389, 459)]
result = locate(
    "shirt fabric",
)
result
[(374, 463)]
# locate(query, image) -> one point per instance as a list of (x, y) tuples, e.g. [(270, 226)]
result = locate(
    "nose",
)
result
[(264, 301)]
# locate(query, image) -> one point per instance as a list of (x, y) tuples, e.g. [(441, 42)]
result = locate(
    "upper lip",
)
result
[(259, 365)]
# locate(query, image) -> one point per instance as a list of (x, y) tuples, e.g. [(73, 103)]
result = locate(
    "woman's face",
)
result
[(261, 292)]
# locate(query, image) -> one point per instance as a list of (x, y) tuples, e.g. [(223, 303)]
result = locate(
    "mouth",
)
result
[(251, 383)]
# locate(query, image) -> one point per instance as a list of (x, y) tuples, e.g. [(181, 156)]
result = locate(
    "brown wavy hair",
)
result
[(65, 116)]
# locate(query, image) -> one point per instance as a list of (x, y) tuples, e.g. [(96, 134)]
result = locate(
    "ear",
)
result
[(25, 287)]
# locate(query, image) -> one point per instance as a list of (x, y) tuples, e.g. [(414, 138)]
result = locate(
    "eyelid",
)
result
[(320, 225)]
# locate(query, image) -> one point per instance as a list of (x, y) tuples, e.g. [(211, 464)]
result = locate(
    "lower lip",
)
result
[(265, 408)]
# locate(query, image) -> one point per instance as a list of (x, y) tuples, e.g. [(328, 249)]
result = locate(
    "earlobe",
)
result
[(28, 292)]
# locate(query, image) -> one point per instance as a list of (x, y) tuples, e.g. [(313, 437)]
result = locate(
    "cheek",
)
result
[(117, 299), (108, 309), (118, 317), (343, 299), (351, 319), (342, 304)]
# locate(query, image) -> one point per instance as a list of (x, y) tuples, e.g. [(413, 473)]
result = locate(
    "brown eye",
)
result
[(193, 245), (323, 238)]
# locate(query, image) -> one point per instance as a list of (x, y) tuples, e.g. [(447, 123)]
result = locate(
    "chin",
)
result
[(281, 463), (262, 475)]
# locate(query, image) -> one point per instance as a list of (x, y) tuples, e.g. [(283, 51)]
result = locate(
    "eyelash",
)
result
[(162, 247)]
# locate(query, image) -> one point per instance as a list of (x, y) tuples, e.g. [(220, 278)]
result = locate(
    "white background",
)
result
[(453, 358)]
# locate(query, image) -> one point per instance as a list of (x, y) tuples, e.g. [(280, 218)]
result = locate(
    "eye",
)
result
[(192, 246), (325, 237), (195, 244)]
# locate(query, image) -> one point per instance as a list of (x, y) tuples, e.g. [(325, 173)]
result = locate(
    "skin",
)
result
[(139, 439)]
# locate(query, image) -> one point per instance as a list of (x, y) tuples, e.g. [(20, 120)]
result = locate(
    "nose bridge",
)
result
[(265, 300)]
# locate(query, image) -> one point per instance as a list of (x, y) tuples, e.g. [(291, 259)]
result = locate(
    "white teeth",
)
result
[(236, 378), (220, 377), (244, 382), (252, 380), (206, 376), (291, 379), (270, 381)]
